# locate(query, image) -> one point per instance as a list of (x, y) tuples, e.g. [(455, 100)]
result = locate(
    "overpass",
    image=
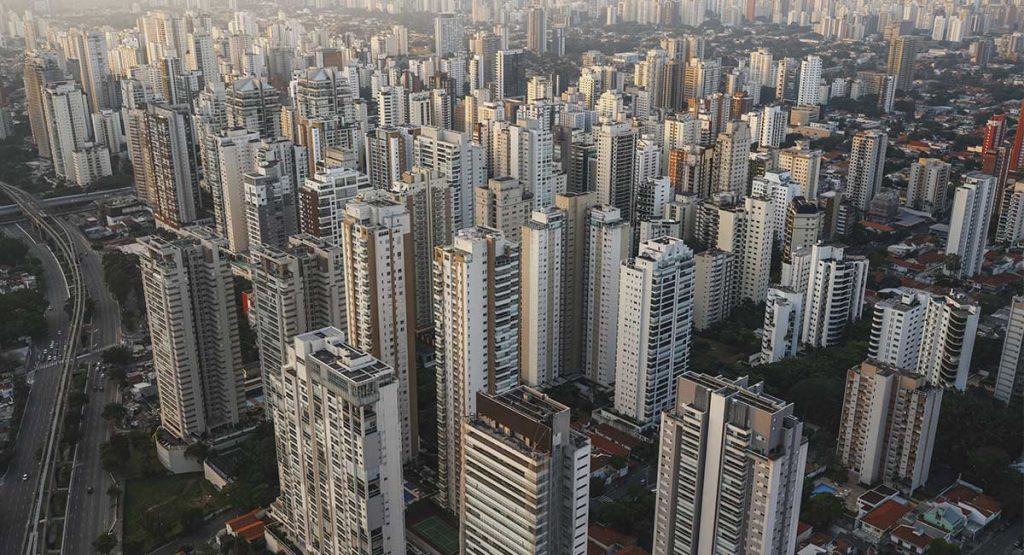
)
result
[(69, 200)]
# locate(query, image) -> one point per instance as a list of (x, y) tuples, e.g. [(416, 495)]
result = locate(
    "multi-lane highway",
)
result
[(90, 514), (42, 481), (17, 494)]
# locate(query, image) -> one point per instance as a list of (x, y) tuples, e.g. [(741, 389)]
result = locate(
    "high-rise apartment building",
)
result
[(732, 158), (461, 162), (254, 106), (730, 470), (322, 200), (193, 325), (169, 168), (424, 194), (502, 205), (542, 267), (1010, 227), (903, 51), (236, 157), (833, 284), (576, 208), (746, 231), (809, 91), (926, 190), (41, 68), (388, 155), (339, 449), (691, 169), (476, 331), (614, 181), (295, 289), (803, 227), (536, 30), (66, 113), (714, 287), (655, 327), (380, 295), (449, 36), (521, 452), (804, 166), (931, 335), (783, 324), (1010, 379), (609, 242), (867, 165), (887, 428), (968, 225)]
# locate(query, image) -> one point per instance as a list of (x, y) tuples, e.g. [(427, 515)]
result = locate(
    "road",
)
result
[(90, 514), (18, 495), (1000, 542)]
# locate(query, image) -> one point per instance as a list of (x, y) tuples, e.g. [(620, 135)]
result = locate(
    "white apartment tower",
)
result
[(541, 277), (340, 457), (476, 330), (926, 190), (236, 155), (833, 292), (887, 428), (526, 480), (947, 341), (322, 200), (1010, 379), (783, 324), (746, 231), (968, 224), (609, 242), (1010, 227), (655, 327), (66, 113), (732, 158), (809, 92), (730, 470), (190, 306), (377, 242), (460, 161)]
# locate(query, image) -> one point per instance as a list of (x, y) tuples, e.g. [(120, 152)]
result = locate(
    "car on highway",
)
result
[(24, 477), (88, 490)]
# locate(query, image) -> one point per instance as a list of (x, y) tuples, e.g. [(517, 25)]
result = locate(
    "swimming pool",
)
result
[(823, 488)]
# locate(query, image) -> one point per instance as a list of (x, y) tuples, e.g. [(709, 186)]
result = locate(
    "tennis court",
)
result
[(438, 533)]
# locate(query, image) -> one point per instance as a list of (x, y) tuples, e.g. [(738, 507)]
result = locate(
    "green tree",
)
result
[(105, 543), (191, 519), (118, 355), (12, 251), (821, 510), (114, 412), (198, 451)]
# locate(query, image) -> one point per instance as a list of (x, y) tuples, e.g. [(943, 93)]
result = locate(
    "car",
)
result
[(24, 477), (88, 490)]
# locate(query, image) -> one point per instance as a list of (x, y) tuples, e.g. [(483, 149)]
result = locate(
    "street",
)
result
[(16, 493), (90, 514)]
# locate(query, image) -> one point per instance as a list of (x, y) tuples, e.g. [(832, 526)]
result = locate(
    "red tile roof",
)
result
[(910, 535), (983, 503), (886, 515), (606, 537)]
